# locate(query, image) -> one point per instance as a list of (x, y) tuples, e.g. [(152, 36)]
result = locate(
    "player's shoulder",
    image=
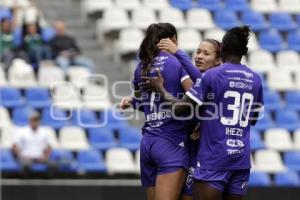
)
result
[(166, 57), (213, 71), (256, 76)]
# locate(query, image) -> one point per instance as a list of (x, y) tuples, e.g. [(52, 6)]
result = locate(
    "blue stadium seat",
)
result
[(255, 20), (292, 99), (271, 40), (48, 33), (183, 5), (255, 140), (20, 115), (287, 179), (38, 97), (101, 138), (8, 163), (292, 160), (10, 97), (113, 119), (293, 40), (272, 100), (237, 5), (130, 138), (90, 161), (39, 167), (57, 118), (259, 179), (18, 36), (226, 19), (265, 123), (5, 13), (282, 22), (84, 118), (298, 19), (211, 5), (64, 160), (287, 119)]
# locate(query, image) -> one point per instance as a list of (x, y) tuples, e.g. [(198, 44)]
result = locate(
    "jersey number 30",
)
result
[(238, 108)]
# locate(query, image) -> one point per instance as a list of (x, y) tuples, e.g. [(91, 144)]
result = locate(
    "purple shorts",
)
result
[(160, 156), (230, 181), (188, 186)]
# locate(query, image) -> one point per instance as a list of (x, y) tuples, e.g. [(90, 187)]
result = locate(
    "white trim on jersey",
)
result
[(184, 78), (189, 94), (260, 109)]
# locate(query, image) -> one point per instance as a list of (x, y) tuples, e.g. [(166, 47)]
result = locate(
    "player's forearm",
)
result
[(185, 61), (166, 96)]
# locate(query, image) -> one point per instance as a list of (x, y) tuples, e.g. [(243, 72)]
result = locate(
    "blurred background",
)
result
[(65, 65)]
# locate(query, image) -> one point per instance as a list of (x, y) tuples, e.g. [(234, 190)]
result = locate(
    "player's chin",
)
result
[(199, 65)]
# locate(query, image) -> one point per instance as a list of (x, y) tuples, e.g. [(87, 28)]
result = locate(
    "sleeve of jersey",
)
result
[(185, 61), (136, 104), (260, 100), (199, 91)]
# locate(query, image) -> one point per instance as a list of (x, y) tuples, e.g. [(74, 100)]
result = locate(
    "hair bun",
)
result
[(244, 32)]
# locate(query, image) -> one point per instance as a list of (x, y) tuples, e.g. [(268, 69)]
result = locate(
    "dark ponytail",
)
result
[(148, 48)]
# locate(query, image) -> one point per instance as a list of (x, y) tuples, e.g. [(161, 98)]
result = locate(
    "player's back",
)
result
[(235, 90), (158, 115)]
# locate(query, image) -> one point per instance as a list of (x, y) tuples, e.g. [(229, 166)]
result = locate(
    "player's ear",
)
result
[(174, 39), (218, 61)]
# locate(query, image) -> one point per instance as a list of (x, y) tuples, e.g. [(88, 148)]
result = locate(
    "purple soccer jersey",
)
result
[(188, 66), (228, 95), (159, 121)]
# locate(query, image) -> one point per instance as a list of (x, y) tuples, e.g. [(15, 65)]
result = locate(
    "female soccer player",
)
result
[(207, 56), (230, 98), (164, 158)]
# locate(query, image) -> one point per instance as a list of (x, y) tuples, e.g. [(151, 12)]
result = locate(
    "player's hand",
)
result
[(196, 133), (167, 45), (125, 103), (152, 83)]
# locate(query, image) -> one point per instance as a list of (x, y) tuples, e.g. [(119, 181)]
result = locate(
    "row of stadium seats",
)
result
[(129, 40), (275, 138), (270, 161), (74, 138), (64, 95), (21, 75), (118, 160), (285, 179), (58, 118), (273, 101), (116, 19), (285, 113), (284, 119), (121, 160), (268, 6)]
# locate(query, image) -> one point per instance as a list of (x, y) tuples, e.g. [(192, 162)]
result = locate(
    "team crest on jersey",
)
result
[(198, 81)]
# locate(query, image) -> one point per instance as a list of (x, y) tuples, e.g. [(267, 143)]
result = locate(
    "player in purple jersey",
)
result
[(229, 99), (164, 158), (207, 56)]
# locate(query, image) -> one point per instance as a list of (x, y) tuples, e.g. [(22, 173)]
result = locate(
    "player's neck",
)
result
[(233, 60)]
